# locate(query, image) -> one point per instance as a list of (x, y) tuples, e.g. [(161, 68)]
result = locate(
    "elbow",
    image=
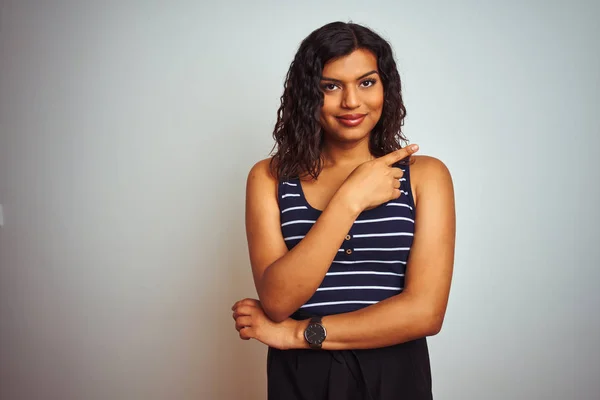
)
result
[(433, 324), (277, 307), (429, 317), (277, 317), (433, 329), (276, 312)]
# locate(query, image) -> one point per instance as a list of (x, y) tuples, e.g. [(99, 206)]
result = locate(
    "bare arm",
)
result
[(419, 310), (284, 279)]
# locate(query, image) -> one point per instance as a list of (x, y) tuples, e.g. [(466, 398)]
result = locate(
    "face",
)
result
[(353, 97)]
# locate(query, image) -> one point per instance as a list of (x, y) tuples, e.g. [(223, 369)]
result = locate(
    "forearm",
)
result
[(291, 280), (395, 320)]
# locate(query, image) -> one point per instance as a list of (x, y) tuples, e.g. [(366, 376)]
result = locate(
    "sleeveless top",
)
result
[(371, 262)]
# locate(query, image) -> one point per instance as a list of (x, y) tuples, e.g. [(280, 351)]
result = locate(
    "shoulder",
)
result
[(261, 177), (429, 175), (262, 171), (428, 167)]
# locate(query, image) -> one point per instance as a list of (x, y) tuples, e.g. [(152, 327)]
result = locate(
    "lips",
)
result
[(351, 119)]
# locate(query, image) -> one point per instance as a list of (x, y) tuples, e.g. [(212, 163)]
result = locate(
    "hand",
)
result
[(375, 182), (252, 323)]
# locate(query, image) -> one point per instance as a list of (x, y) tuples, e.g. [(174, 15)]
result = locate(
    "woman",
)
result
[(351, 237)]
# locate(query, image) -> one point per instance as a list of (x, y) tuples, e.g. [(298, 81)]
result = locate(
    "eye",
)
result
[(328, 87), (368, 83)]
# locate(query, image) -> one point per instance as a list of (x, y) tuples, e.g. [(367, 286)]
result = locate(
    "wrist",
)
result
[(344, 200), (299, 342)]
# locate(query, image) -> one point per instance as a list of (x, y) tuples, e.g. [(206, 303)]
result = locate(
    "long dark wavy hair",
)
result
[(298, 133)]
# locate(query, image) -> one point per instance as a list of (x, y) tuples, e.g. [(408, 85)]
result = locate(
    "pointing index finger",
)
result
[(400, 154)]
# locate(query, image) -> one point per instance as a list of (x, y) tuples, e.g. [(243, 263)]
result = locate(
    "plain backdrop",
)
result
[(127, 130)]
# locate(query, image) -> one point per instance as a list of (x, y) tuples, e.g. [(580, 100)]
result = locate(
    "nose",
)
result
[(350, 98)]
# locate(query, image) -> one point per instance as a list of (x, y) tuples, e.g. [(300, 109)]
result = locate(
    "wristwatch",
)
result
[(315, 333)]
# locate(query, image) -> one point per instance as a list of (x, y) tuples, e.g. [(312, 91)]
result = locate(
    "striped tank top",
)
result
[(370, 264)]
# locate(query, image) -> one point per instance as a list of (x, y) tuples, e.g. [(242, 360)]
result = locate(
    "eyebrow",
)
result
[(324, 78)]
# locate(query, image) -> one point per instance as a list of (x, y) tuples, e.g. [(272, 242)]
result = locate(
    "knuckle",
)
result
[(249, 302), (245, 310)]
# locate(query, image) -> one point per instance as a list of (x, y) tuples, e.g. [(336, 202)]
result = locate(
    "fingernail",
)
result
[(414, 147)]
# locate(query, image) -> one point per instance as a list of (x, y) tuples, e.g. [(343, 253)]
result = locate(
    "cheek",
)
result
[(376, 101), (375, 104), (329, 104), (328, 110)]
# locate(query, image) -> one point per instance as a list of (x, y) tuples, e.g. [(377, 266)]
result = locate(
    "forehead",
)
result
[(348, 68)]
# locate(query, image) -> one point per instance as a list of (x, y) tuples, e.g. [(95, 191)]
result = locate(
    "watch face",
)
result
[(315, 334)]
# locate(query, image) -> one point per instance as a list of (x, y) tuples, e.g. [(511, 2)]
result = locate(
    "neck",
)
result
[(346, 154)]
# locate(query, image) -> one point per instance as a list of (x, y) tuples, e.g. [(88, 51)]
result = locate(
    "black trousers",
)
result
[(396, 372)]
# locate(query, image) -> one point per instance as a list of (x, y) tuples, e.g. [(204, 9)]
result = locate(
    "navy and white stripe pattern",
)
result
[(371, 263)]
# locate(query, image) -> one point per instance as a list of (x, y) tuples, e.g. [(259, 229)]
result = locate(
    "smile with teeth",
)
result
[(351, 119)]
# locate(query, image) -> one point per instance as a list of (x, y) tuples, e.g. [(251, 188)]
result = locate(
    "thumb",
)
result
[(400, 154)]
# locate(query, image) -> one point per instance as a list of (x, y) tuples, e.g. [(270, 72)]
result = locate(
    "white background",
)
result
[(126, 133)]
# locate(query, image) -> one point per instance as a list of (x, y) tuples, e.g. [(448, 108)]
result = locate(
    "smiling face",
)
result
[(353, 97)]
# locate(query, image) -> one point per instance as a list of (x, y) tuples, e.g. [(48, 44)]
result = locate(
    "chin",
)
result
[(350, 135), (355, 133)]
